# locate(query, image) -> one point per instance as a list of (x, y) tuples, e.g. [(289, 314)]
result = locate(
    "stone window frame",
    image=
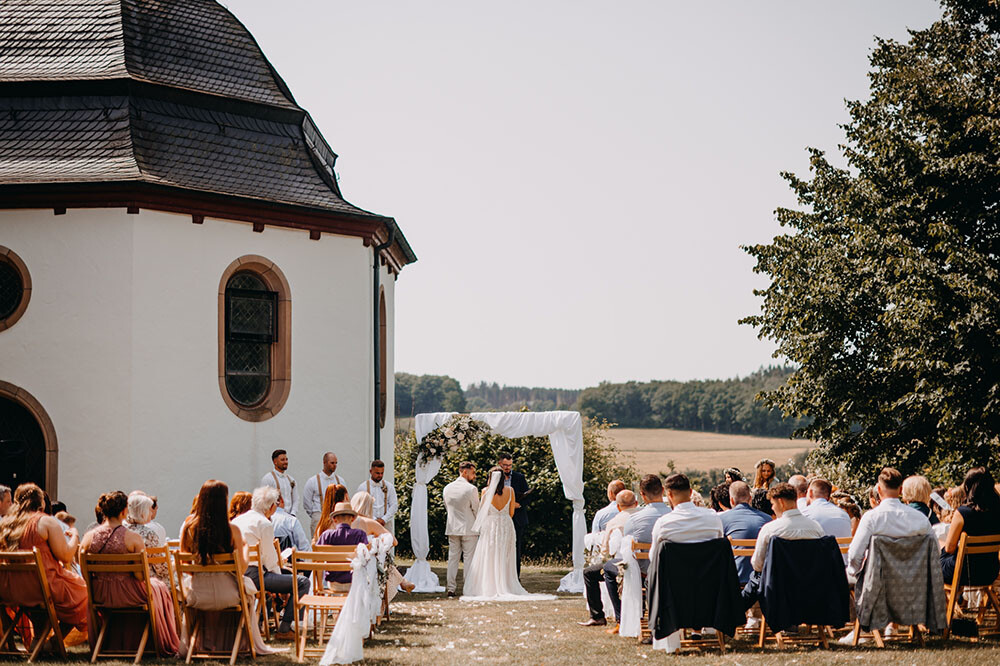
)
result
[(11, 258), (29, 402), (281, 349), (383, 344)]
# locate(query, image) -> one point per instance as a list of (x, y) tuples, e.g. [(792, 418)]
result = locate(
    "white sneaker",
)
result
[(890, 630), (849, 639), (753, 623)]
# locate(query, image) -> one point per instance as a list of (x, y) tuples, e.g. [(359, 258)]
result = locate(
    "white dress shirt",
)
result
[(312, 495), (285, 485), (792, 525), (688, 523), (256, 528), (834, 520), (890, 518), (611, 537), (801, 503), (384, 494)]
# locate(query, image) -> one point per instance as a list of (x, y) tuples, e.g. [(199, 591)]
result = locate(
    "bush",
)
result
[(550, 525)]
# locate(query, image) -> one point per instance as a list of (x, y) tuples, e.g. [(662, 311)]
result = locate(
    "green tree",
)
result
[(884, 292)]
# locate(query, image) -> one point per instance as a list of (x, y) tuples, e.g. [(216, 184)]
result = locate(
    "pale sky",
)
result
[(576, 178)]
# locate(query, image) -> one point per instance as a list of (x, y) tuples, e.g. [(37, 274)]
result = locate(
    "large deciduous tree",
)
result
[(885, 292)]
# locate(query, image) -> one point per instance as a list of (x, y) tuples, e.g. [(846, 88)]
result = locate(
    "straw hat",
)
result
[(344, 509)]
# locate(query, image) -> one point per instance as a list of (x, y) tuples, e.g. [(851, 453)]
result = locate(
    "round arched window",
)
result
[(254, 327), (15, 288)]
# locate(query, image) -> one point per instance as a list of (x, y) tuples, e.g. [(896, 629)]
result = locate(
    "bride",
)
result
[(492, 574)]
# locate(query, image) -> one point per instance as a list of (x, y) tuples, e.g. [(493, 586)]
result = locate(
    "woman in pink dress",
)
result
[(121, 589), (26, 527)]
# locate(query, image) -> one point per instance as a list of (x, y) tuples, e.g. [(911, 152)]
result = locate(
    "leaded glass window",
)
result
[(11, 289), (251, 329)]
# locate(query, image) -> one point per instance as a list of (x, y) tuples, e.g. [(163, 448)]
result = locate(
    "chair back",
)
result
[(28, 563), (254, 561), (317, 563), (973, 545), (134, 564), (743, 547), (187, 563), (160, 555), (641, 550), (25, 562), (844, 544)]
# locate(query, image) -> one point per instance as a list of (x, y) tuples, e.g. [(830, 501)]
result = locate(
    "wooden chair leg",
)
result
[(7, 642), (822, 636), (950, 612), (40, 640), (916, 633), (857, 632), (142, 644), (236, 643), (877, 635), (722, 641), (100, 639), (991, 595), (763, 632), (193, 638)]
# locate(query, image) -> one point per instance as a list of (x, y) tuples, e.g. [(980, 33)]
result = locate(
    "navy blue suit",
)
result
[(520, 487), (743, 522)]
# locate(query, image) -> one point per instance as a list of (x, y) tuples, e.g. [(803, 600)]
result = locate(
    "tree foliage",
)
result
[(550, 514), (884, 292), (416, 394), (728, 406), (484, 397)]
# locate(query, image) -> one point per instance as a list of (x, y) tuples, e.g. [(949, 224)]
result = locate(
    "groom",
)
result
[(516, 482), (461, 499)]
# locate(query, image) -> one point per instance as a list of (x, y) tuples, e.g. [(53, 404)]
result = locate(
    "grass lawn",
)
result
[(431, 629)]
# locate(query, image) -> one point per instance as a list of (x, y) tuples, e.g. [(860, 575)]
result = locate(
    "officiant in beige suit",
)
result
[(461, 499)]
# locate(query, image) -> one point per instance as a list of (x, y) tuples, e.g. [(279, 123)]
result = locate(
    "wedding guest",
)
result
[(742, 522), (461, 500), (334, 495), (834, 520), (978, 516), (593, 576), (152, 524), (6, 500), (240, 503), (889, 517), (639, 526), (686, 522), (916, 494), (759, 501), (854, 513), (382, 491), (627, 505), (720, 497), (342, 534), (516, 482), (280, 478), (954, 498), (873, 497), (207, 532), (118, 589), (287, 528), (315, 489), (66, 519), (733, 474), (606, 513), (98, 519), (789, 524), (26, 526), (801, 485), (256, 528), (362, 503), (140, 508), (763, 476), (697, 499)]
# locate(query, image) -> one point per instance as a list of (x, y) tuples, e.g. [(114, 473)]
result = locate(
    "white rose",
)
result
[(460, 436), (449, 433)]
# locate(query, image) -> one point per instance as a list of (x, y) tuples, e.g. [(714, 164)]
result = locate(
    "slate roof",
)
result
[(165, 92)]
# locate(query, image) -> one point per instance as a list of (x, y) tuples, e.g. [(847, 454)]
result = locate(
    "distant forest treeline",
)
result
[(723, 405)]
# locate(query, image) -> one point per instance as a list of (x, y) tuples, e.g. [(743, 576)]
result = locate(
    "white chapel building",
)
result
[(183, 287)]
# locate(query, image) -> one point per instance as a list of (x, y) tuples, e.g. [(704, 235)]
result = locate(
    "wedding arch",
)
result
[(565, 433)]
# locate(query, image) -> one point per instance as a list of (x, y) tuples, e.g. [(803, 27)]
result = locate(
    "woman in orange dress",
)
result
[(26, 527), (122, 589)]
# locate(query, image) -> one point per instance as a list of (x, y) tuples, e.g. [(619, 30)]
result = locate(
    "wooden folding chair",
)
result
[(307, 563), (221, 563), (28, 563), (101, 613), (973, 545), (160, 555), (641, 552), (263, 598), (744, 548)]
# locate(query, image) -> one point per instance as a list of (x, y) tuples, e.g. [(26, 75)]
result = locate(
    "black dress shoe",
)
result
[(648, 640), (451, 594), (593, 623)]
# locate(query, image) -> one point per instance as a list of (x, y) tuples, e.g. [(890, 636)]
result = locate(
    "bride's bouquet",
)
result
[(449, 436)]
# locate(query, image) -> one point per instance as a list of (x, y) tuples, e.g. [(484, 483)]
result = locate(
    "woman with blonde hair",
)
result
[(763, 476), (26, 526), (917, 494), (363, 502), (334, 495)]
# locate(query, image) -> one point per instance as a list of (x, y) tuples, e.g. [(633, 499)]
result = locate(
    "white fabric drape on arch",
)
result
[(565, 433)]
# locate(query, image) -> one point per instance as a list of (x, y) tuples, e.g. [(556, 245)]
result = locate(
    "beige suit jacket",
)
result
[(461, 499)]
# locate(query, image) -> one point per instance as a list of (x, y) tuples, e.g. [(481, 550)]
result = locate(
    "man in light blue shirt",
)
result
[(605, 514), (834, 520), (287, 528)]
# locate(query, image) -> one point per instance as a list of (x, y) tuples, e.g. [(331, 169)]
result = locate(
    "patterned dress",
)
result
[(152, 540)]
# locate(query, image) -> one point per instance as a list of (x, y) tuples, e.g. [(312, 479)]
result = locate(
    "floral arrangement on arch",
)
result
[(450, 435)]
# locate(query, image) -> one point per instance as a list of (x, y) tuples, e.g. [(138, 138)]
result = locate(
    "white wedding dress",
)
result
[(492, 574)]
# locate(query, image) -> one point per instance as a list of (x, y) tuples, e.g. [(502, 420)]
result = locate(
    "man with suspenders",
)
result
[(385, 504), (312, 495), (277, 478)]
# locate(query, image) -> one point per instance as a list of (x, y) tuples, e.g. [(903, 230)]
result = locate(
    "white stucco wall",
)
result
[(119, 344)]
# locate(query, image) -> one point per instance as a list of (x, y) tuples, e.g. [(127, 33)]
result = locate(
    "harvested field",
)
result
[(654, 448)]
